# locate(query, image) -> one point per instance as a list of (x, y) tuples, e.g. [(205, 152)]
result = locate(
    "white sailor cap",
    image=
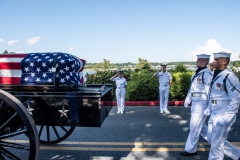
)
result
[(222, 54), (163, 64), (120, 71), (203, 56)]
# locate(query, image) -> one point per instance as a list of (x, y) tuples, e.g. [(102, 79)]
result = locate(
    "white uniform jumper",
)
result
[(224, 104), (120, 92), (198, 94), (164, 88)]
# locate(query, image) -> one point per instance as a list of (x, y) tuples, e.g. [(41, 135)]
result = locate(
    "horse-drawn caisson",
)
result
[(43, 98)]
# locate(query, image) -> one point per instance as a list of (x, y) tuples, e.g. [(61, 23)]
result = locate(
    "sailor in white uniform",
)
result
[(165, 81), (224, 100), (198, 94), (121, 89)]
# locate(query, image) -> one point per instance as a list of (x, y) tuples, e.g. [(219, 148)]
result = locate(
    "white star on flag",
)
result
[(26, 69), (38, 70), (61, 71), (32, 64), (44, 65), (49, 80), (66, 68), (26, 79), (62, 61), (33, 74), (37, 80), (44, 75)]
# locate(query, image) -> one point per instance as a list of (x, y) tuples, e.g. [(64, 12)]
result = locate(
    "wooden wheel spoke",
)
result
[(8, 154), (40, 131), (64, 129), (48, 133), (1, 156), (12, 134), (1, 104), (56, 132), (14, 145), (8, 121)]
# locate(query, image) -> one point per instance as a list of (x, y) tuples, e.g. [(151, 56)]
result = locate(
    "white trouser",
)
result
[(217, 136), (163, 95), (196, 126), (120, 95)]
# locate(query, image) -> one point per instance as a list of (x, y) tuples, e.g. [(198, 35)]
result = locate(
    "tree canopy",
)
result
[(143, 64)]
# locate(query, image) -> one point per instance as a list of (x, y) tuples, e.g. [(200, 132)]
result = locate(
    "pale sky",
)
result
[(121, 30)]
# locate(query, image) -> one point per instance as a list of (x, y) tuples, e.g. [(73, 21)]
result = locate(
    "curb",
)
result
[(144, 103)]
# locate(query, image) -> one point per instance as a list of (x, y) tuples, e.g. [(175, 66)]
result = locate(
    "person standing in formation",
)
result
[(223, 105), (165, 81), (121, 90)]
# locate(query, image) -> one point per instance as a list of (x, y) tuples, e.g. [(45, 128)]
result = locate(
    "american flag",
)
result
[(33, 68)]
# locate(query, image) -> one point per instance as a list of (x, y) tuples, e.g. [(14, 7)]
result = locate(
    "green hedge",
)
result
[(143, 86), (180, 85)]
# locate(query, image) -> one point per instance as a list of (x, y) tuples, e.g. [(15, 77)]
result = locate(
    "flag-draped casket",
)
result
[(41, 68)]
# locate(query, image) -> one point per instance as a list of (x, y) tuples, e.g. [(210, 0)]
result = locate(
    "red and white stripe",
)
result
[(10, 68)]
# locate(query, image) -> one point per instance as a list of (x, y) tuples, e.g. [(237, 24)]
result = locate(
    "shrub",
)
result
[(180, 85), (142, 85)]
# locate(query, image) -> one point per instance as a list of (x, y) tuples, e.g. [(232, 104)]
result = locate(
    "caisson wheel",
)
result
[(18, 134), (54, 134)]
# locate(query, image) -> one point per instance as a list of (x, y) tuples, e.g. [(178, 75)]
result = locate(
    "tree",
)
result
[(236, 63), (105, 65), (180, 68), (143, 64), (5, 52)]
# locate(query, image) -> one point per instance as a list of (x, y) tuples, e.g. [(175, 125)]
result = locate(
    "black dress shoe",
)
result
[(188, 154)]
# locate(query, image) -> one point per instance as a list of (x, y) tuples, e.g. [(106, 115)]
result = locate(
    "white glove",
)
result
[(207, 112), (186, 105)]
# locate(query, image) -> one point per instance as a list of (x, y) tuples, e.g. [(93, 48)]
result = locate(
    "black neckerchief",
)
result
[(216, 72), (195, 75), (199, 69)]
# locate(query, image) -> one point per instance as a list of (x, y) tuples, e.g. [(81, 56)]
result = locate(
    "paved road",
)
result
[(140, 133)]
